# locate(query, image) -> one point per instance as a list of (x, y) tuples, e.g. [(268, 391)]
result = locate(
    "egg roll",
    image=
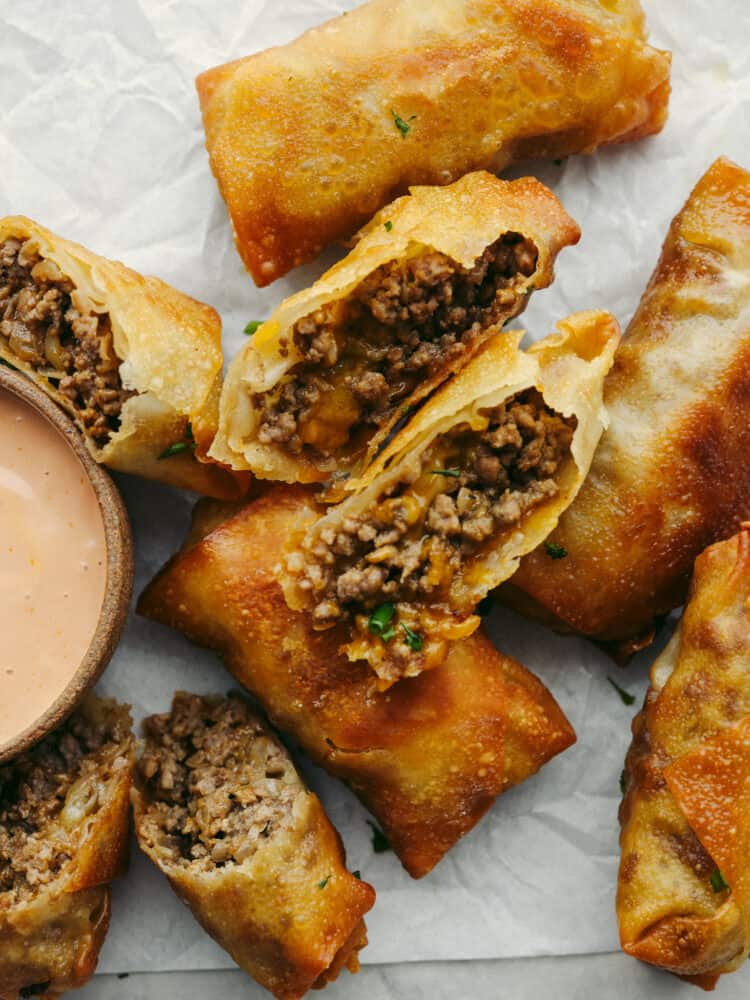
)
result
[(476, 479), (63, 837), (670, 476), (136, 363), (683, 900), (222, 812), (309, 139), (327, 376), (427, 758)]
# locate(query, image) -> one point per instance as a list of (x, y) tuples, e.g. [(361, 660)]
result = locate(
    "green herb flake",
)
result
[(449, 473), (484, 607), (358, 875), (174, 449), (623, 782), (406, 411), (413, 639), (718, 882), (555, 551), (388, 634), (7, 364), (625, 697), (530, 288), (380, 843), (252, 326), (388, 226), (403, 126), (324, 883), (381, 618)]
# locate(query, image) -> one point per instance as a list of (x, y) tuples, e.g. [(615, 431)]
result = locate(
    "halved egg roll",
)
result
[(136, 363), (477, 478), (670, 476), (427, 758), (308, 140), (63, 837), (221, 810), (683, 900), (327, 376)]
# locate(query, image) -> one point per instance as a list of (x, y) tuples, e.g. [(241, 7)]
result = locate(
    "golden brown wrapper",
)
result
[(670, 475), (427, 758), (170, 351), (461, 222), (309, 139), (683, 899), (568, 368), (291, 914), (50, 942)]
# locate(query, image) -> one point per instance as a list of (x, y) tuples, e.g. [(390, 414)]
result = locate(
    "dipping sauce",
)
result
[(53, 567)]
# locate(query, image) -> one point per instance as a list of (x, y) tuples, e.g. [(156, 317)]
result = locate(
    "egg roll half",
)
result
[(427, 758), (63, 837), (136, 363), (671, 475), (683, 900), (310, 139), (476, 479), (221, 810), (329, 373)]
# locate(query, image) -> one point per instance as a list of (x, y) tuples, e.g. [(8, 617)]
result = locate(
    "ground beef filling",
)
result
[(218, 785), (469, 485), (362, 358), (33, 791), (47, 324)]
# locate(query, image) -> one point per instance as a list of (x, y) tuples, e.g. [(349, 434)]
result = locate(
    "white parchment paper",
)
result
[(100, 139)]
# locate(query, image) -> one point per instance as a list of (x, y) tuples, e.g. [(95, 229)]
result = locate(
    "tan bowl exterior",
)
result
[(119, 585)]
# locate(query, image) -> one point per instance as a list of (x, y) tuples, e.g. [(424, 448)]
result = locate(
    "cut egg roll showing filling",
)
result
[(326, 377), (136, 363), (478, 477)]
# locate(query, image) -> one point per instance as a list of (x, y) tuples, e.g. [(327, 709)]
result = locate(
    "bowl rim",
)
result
[(118, 586)]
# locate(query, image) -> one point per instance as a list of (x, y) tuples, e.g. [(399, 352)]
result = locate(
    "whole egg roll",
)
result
[(309, 139), (670, 476), (63, 837), (221, 810), (326, 377), (136, 363), (427, 758), (477, 478), (683, 900)]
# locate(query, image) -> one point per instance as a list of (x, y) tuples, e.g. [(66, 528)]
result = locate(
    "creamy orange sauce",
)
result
[(52, 565)]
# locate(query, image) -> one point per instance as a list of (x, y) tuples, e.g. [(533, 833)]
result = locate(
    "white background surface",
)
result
[(100, 139)]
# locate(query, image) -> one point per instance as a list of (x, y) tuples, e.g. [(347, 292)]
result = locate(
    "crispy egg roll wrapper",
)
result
[(567, 368), (670, 476), (460, 222), (51, 933), (170, 362), (427, 758), (683, 900), (287, 910), (309, 139)]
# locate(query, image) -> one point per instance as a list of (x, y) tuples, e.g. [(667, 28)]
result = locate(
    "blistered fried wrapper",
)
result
[(568, 369), (683, 900)]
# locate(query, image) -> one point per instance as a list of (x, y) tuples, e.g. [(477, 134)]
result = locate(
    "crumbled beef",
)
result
[(401, 321), (33, 791), (405, 548), (217, 783), (47, 325)]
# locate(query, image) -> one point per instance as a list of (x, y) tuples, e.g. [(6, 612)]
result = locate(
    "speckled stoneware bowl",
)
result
[(119, 586)]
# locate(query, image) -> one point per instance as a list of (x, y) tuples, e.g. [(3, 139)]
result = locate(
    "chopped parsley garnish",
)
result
[(625, 696), (357, 874), (451, 473), (380, 843), (484, 607), (623, 781), (187, 444), (388, 634), (530, 288), (324, 883), (406, 411), (718, 882), (380, 619), (388, 226), (403, 126), (7, 364), (413, 639), (252, 326), (555, 551)]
